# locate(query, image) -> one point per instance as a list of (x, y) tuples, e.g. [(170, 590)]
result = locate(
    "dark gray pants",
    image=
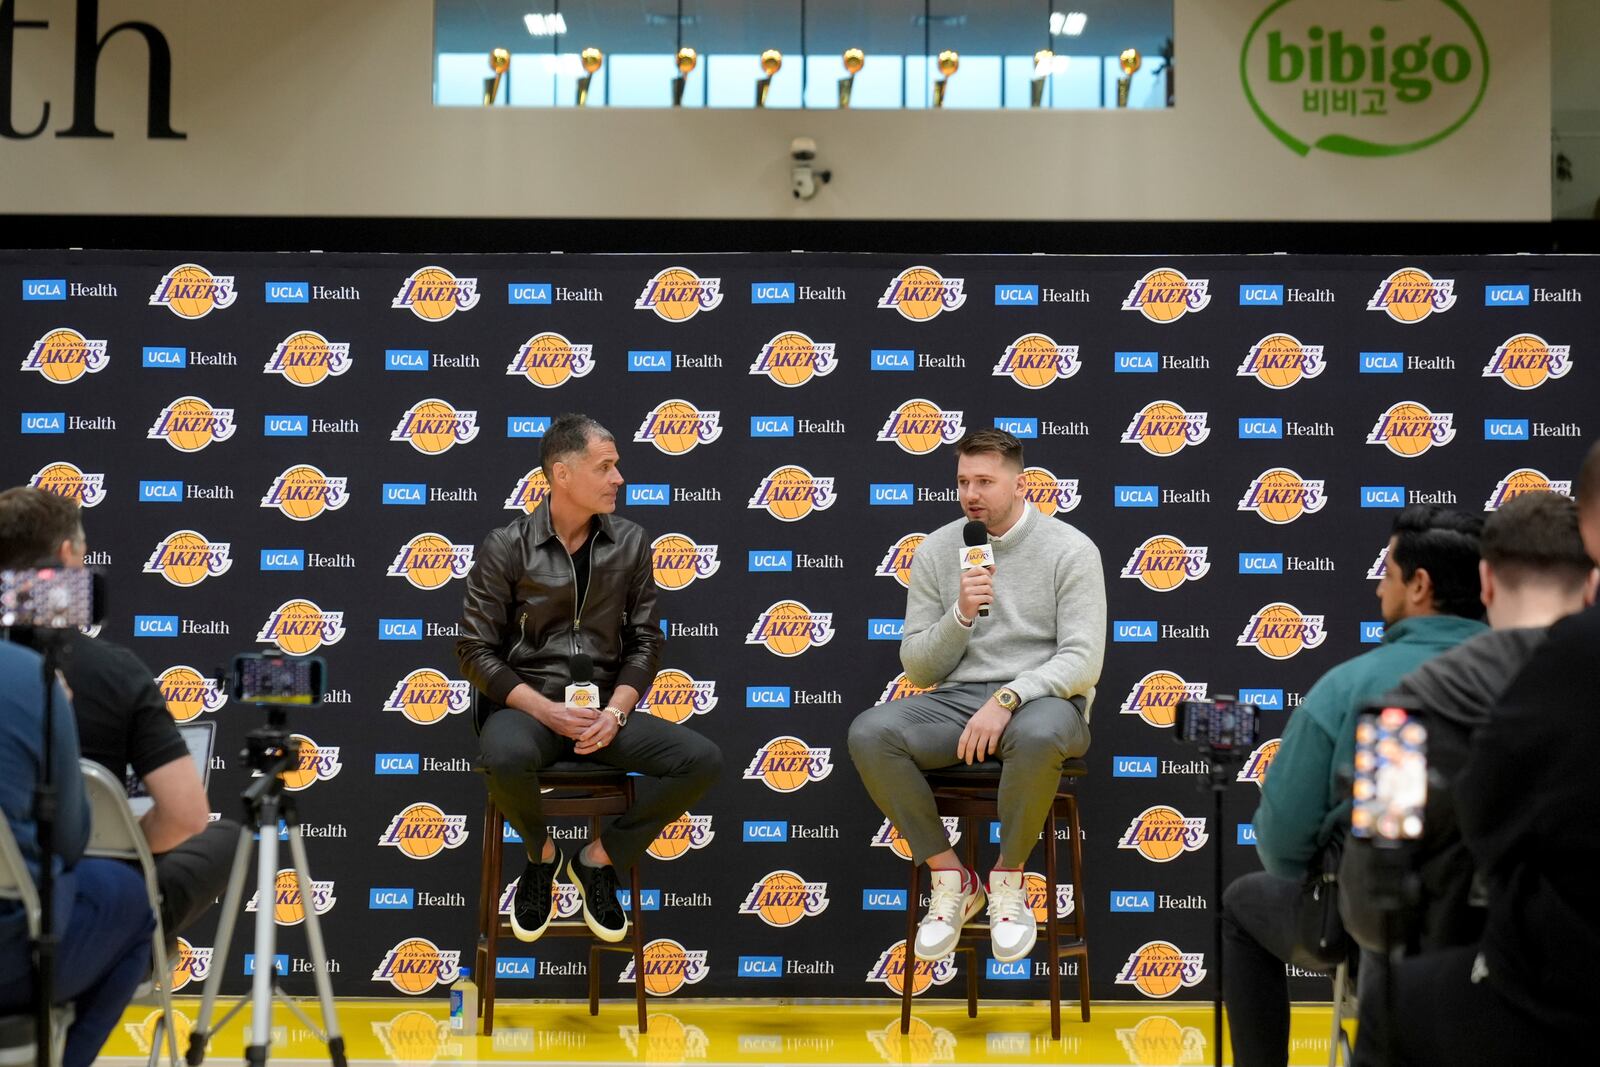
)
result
[(193, 874), (893, 743), (677, 765)]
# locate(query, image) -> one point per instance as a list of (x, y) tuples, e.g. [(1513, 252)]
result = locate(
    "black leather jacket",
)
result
[(521, 621)]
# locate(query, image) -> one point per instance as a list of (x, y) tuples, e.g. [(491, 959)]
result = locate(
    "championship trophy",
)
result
[(686, 63), (854, 60), (499, 62), (771, 63), (1130, 64), (949, 63), (1043, 65), (591, 58)]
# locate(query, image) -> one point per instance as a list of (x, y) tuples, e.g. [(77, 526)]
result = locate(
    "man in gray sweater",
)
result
[(1012, 653)]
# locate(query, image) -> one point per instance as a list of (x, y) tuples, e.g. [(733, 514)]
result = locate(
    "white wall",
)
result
[(1575, 99), (311, 107)]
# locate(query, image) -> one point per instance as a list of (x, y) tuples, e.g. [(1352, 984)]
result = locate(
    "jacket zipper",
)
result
[(577, 611), (522, 635)]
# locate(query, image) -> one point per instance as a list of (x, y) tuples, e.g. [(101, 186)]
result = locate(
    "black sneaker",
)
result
[(598, 888), (533, 905)]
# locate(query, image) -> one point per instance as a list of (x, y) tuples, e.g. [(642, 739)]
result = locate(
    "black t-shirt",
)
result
[(580, 568)]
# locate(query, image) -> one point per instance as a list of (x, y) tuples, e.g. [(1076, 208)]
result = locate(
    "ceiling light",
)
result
[(1067, 24), (545, 25)]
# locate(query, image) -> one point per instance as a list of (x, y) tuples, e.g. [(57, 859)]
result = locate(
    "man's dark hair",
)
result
[(997, 441), (567, 436), (1588, 486), (33, 523), (1534, 537), (1445, 544)]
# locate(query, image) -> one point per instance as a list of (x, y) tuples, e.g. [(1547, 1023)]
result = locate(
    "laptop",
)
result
[(201, 739)]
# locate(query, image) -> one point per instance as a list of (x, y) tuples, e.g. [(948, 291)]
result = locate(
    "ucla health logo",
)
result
[(188, 693), (1280, 360), (1033, 361), (786, 764), (531, 490), (1527, 361), (791, 493), (189, 424), (1163, 563), (920, 426), (677, 562), (1281, 496), (1165, 295), (1521, 481), (430, 561), (303, 492), (299, 627), (1051, 495), (433, 427), (1159, 969), (788, 628), (792, 359), (678, 697), (307, 358), (63, 355), (1282, 631), (434, 294), (186, 558), (896, 562), (1408, 429), (921, 294), (1163, 428), (1155, 697), (190, 291), (67, 480), (1411, 294), (426, 696), (1162, 833), (678, 294), (549, 360), (783, 898), (676, 427)]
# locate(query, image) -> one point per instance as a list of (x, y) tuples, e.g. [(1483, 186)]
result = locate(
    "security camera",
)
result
[(803, 180), (802, 149)]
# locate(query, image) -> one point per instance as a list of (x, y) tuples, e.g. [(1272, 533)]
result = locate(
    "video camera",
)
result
[(51, 598)]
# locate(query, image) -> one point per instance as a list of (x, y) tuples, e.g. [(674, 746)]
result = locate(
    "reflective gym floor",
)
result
[(743, 1032)]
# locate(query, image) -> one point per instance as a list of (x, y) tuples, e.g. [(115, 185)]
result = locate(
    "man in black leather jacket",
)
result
[(569, 578)]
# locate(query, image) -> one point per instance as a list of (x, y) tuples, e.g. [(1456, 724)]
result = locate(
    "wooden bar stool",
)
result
[(972, 793), (584, 790)]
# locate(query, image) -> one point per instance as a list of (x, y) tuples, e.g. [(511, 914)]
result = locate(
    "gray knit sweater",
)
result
[(1046, 631)]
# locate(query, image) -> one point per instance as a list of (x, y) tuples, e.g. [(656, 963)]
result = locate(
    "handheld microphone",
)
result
[(978, 553), (582, 693)]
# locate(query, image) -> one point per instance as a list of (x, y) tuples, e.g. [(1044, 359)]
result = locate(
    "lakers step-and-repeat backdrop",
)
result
[(301, 452)]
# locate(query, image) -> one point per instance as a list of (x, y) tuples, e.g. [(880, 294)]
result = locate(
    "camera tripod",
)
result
[(271, 752)]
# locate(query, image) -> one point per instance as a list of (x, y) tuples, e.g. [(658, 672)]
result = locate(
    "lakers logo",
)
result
[(1155, 697), (1161, 834), (677, 562), (678, 294), (434, 427), (1524, 480), (1159, 1039), (675, 427), (787, 764), (1159, 969), (422, 831), (921, 294), (190, 424), (890, 969), (1281, 496), (416, 965), (896, 562), (430, 560), (677, 697), (1527, 361), (190, 291), (922, 1044), (888, 836), (549, 360), (414, 1036), (1163, 563), (1037, 893), (899, 688), (190, 963), (1411, 294), (1255, 768), (64, 355), (186, 558), (147, 1032), (1033, 361), (681, 835), (299, 627), (307, 358), (1408, 429), (1380, 566), (1165, 295), (315, 763), (531, 491), (566, 898), (788, 628), (791, 493), (66, 479), (425, 696), (188, 693), (1280, 360), (303, 492), (792, 359), (783, 898), (1282, 631), (434, 294), (289, 904), (1051, 495), (1163, 428), (920, 426), (668, 967)]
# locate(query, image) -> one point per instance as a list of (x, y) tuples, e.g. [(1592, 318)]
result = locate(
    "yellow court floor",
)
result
[(741, 1032)]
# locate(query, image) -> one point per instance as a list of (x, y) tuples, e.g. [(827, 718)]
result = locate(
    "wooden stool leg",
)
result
[(638, 949), (970, 827), (491, 963), (907, 980), (594, 977), (486, 901), (1078, 907), (1052, 935)]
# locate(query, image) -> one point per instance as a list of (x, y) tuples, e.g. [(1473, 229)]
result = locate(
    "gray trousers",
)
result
[(893, 743)]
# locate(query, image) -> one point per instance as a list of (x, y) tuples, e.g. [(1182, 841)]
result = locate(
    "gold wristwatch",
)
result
[(1007, 698)]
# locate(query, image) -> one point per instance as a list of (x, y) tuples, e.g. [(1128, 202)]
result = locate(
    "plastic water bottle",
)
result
[(464, 1004)]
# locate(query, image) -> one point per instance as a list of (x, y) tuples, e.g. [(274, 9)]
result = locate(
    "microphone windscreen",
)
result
[(975, 533), (582, 668)]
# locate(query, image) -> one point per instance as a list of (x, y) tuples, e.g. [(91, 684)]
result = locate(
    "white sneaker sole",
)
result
[(978, 901), (609, 936)]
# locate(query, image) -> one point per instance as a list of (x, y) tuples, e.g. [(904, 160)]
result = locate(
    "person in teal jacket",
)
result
[(1430, 603)]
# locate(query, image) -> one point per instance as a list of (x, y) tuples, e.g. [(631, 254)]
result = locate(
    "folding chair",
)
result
[(1345, 1008), (114, 834), (18, 1046)]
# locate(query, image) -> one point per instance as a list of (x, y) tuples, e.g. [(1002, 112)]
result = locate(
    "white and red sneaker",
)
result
[(1012, 928), (955, 898)]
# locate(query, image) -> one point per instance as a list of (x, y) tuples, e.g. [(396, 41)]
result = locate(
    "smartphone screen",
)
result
[(1391, 782)]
